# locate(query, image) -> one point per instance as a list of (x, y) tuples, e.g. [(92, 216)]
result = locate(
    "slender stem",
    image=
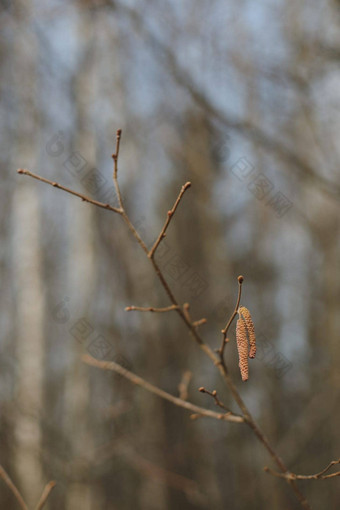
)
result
[(317, 476), (226, 328), (45, 495), (115, 170), (213, 394), (150, 309), (68, 190), (139, 381), (13, 488), (217, 360), (200, 322), (170, 215)]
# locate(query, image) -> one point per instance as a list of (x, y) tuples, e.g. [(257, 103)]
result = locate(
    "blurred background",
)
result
[(242, 99)]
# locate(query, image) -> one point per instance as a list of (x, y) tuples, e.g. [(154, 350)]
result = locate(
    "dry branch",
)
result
[(139, 381), (13, 488), (225, 330), (317, 476), (18, 496), (217, 359), (150, 309), (46, 492), (168, 219), (68, 190), (213, 394)]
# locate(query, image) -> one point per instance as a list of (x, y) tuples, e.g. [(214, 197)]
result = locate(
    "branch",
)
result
[(135, 379), (150, 309), (185, 316), (68, 190), (168, 219), (13, 488), (46, 492), (115, 170), (226, 328), (200, 322), (213, 394), (316, 476)]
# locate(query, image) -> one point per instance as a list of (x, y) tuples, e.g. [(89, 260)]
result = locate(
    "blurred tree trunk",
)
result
[(30, 312), (82, 277)]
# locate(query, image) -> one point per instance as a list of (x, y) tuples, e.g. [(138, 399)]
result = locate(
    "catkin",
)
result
[(245, 314), (242, 348)]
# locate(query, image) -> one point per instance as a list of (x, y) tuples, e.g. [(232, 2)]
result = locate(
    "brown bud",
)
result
[(240, 279)]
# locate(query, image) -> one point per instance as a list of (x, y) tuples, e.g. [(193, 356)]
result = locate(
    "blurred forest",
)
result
[(242, 99)]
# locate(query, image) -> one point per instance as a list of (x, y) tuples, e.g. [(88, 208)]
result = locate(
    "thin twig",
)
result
[(226, 328), (68, 190), (13, 488), (45, 495), (317, 476), (135, 379), (213, 394), (186, 308), (200, 322), (115, 170), (170, 215), (217, 360), (151, 309)]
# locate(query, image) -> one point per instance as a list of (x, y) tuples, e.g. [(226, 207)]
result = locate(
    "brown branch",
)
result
[(151, 309), (13, 488), (44, 497), (68, 190), (213, 394), (115, 169), (317, 476), (139, 381), (200, 322), (226, 328), (186, 308), (170, 215), (217, 360)]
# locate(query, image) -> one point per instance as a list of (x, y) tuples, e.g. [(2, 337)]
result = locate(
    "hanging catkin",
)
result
[(245, 314), (242, 347)]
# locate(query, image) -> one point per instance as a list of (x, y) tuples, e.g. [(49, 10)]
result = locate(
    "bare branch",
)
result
[(13, 488), (168, 219), (115, 170), (317, 476), (135, 379), (185, 316), (226, 328), (200, 322), (44, 497), (68, 190), (213, 394), (151, 309), (186, 308)]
